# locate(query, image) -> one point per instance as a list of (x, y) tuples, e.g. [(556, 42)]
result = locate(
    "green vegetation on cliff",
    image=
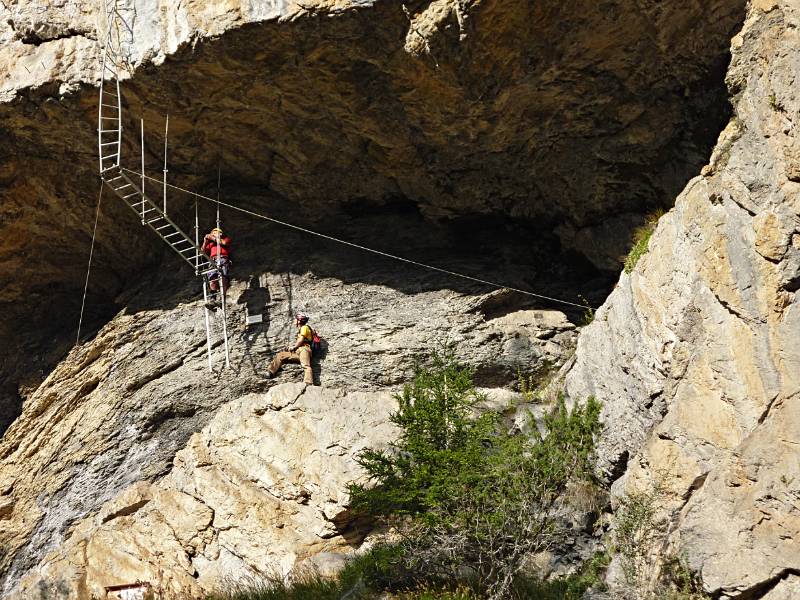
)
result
[(480, 499), (470, 499), (641, 239)]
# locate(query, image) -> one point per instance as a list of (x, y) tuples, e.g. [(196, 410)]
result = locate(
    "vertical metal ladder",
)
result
[(109, 140), (109, 143)]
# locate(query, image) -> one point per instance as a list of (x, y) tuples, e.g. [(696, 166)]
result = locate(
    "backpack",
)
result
[(316, 342)]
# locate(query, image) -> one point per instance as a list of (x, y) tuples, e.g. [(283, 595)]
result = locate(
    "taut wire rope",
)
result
[(365, 248), (89, 266)]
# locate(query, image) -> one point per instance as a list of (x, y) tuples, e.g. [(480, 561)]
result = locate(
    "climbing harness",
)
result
[(128, 189), (493, 284)]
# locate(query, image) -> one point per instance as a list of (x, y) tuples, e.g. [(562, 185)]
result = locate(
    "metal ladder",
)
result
[(109, 143), (154, 217), (109, 140)]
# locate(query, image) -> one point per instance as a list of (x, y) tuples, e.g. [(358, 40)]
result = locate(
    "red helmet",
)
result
[(301, 318)]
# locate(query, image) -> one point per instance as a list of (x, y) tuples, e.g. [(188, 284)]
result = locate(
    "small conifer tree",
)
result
[(481, 499)]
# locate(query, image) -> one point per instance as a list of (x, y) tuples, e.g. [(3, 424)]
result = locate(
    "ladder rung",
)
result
[(130, 195), (109, 130), (183, 241), (122, 187), (111, 119), (110, 106), (109, 143), (111, 168), (107, 156), (114, 178), (163, 227), (169, 235), (139, 204), (158, 218)]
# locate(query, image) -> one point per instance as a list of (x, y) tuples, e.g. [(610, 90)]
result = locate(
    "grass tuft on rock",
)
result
[(641, 239)]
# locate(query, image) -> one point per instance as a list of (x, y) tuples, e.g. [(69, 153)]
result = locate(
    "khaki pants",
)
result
[(301, 355)]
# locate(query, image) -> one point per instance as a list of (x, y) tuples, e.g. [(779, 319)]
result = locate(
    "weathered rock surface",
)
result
[(696, 354), (261, 488), (106, 424), (421, 129), (558, 126)]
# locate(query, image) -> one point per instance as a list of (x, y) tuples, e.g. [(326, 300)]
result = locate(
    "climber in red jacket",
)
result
[(217, 246)]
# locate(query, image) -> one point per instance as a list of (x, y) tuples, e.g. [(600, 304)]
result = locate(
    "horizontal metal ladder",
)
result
[(154, 217)]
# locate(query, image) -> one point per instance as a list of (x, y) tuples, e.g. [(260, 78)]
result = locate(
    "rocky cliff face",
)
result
[(562, 125), (229, 508), (696, 354), (512, 140), (133, 462)]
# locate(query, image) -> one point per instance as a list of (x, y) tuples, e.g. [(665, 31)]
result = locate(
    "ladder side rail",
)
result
[(223, 295), (119, 122), (208, 323), (100, 115), (109, 80), (135, 192)]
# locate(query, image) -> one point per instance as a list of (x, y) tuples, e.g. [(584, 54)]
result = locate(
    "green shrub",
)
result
[(438, 448), (481, 499), (641, 238), (637, 541), (368, 576), (636, 536), (570, 587), (379, 569), (534, 383), (588, 311), (305, 587)]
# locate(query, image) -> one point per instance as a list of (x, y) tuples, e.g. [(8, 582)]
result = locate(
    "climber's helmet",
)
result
[(301, 318)]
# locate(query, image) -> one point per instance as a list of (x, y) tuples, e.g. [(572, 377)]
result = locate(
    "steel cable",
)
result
[(365, 248), (89, 266)]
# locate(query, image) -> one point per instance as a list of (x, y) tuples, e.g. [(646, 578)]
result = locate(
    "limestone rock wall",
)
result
[(429, 127), (570, 121), (260, 489), (117, 425), (696, 354)]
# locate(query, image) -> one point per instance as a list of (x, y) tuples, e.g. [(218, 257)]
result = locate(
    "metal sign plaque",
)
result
[(131, 591)]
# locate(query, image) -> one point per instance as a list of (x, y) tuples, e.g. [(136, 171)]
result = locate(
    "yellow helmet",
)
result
[(217, 230)]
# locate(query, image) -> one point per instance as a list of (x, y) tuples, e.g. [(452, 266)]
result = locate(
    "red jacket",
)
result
[(211, 246)]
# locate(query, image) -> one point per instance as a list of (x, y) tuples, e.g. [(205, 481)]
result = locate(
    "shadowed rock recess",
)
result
[(515, 141)]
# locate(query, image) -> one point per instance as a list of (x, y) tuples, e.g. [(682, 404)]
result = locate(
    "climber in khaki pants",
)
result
[(300, 352)]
